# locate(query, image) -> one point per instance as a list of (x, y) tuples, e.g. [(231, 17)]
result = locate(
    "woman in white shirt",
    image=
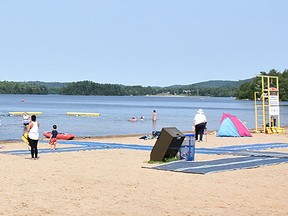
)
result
[(33, 136), (200, 122)]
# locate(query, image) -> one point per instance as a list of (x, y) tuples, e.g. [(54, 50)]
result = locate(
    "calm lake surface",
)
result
[(117, 110)]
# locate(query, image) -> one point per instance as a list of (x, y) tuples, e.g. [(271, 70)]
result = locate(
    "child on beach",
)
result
[(53, 138)]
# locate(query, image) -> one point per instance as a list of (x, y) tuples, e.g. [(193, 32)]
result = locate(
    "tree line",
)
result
[(247, 89), (7, 87), (239, 89), (91, 88)]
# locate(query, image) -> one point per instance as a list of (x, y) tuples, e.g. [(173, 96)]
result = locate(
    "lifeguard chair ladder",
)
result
[(266, 103)]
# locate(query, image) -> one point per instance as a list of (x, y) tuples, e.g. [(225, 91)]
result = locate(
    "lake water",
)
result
[(116, 110)]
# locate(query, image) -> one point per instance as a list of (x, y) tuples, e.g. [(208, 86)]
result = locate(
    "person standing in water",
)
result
[(154, 119), (154, 116), (33, 136), (25, 121)]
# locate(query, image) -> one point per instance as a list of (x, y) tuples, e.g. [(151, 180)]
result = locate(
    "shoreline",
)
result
[(210, 132), (79, 137)]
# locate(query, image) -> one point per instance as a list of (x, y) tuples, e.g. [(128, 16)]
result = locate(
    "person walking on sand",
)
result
[(199, 125), (33, 136), (53, 138)]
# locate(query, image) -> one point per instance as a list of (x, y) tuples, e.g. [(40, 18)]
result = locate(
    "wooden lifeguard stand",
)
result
[(267, 111)]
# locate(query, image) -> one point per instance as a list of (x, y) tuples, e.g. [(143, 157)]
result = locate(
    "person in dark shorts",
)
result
[(53, 138), (25, 121)]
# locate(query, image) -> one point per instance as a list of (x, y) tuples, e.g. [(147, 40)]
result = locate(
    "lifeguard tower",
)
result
[(267, 111)]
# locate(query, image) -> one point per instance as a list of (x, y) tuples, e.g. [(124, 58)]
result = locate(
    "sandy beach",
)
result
[(114, 182)]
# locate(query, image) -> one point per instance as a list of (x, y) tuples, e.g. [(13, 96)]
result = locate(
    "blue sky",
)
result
[(148, 42)]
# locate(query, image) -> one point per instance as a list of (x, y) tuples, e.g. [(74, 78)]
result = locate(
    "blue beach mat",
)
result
[(83, 146), (253, 159), (237, 148), (259, 154), (80, 146), (259, 146), (220, 165), (248, 156)]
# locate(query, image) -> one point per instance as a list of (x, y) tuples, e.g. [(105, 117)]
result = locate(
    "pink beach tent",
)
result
[(231, 126)]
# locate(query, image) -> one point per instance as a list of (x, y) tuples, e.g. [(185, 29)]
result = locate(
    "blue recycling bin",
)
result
[(187, 150)]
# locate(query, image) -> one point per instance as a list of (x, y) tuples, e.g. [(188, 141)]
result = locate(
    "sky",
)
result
[(142, 42)]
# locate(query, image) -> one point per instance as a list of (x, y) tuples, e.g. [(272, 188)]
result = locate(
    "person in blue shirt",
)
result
[(53, 138)]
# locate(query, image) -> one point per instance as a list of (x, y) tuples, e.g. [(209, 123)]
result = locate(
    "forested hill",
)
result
[(242, 89), (211, 84), (218, 88), (52, 87), (209, 88), (215, 84), (221, 83)]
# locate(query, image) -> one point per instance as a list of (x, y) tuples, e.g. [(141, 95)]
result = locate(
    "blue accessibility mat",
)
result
[(255, 146), (239, 148), (248, 155), (83, 146), (259, 154), (220, 165), (80, 146)]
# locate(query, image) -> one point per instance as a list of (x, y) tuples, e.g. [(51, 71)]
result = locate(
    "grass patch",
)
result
[(165, 160)]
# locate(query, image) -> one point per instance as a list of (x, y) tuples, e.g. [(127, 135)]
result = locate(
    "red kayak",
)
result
[(62, 136)]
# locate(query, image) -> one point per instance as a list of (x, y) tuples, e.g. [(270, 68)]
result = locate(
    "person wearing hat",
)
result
[(200, 122)]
